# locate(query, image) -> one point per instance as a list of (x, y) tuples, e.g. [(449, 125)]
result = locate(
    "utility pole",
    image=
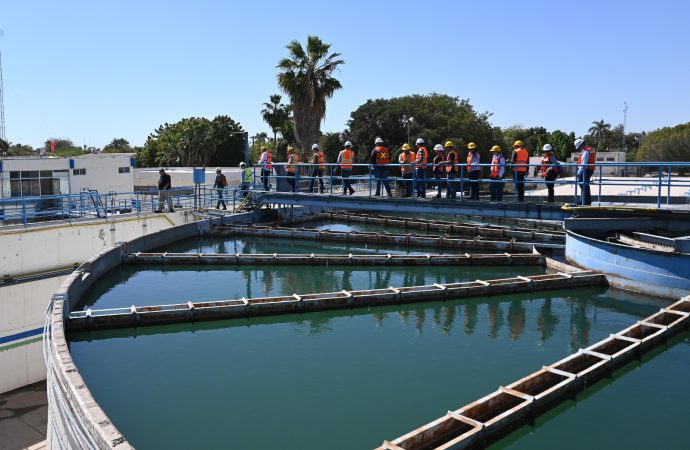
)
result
[(625, 120)]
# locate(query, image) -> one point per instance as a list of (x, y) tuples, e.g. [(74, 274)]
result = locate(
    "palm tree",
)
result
[(306, 77), (600, 131), (275, 114)]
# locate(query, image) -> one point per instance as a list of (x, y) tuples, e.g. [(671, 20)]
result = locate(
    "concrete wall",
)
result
[(42, 249), (182, 176), (22, 313)]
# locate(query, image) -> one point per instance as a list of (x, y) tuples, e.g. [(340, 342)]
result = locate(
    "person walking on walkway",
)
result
[(451, 167), (420, 167), (406, 160), (498, 170), (519, 162), (164, 187), (291, 167), (246, 178), (473, 170), (220, 184), (319, 164), (585, 169), (438, 168), (379, 159), (345, 158), (266, 163), (549, 170)]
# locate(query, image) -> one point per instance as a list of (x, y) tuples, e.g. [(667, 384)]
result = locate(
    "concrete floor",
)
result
[(24, 418)]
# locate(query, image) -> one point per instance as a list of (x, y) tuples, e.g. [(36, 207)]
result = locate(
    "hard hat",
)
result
[(315, 147), (495, 148), (471, 145), (290, 148), (217, 169), (438, 148), (420, 141), (263, 148), (547, 148), (518, 144), (242, 164), (378, 140), (406, 147), (449, 144), (348, 144), (578, 143)]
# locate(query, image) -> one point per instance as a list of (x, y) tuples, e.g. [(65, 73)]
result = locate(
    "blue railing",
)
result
[(654, 178), (655, 186)]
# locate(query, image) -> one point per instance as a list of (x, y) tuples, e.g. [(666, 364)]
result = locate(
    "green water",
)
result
[(349, 379), (155, 285)]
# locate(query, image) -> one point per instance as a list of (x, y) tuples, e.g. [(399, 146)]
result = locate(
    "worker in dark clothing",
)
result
[(220, 184), (164, 187)]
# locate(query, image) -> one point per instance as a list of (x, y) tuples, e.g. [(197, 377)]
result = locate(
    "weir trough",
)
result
[(448, 227), (379, 238), (514, 259), (298, 303), (487, 419)]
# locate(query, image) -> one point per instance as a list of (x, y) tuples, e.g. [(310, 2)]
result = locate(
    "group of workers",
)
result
[(445, 168)]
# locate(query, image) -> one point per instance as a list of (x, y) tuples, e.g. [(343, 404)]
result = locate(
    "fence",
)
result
[(660, 180)]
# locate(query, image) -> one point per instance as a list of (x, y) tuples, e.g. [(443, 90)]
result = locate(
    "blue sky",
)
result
[(92, 71)]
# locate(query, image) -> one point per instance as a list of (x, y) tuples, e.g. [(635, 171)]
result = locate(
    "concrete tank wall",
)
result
[(45, 249)]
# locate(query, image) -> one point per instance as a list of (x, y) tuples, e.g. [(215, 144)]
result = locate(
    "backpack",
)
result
[(223, 180)]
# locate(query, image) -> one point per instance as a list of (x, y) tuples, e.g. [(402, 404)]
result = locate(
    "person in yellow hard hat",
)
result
[(451, 168), (520, 160), (473, 170), (291, 167), (498, 170), (406, 158)]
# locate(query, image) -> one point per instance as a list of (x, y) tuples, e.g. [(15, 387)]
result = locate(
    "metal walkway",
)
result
[(312, 259), (299, 303), (523, 210), (410, 239)]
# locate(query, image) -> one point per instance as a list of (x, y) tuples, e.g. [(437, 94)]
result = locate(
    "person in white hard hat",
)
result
[(379, 159), (247, 176), (345, 159), (220, 184), (318, 161), (549, 170)]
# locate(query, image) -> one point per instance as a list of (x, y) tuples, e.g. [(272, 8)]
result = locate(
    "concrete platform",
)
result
[(24, 418)]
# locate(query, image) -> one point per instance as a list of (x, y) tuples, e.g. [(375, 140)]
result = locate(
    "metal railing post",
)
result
[(658, 197), (668, 195), (600, 178)]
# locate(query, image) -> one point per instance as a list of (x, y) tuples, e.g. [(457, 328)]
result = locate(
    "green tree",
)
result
[(330, 144), (437, 117), (17, 149), (600, 132), (194, 141), (118, 145), (666, 144), (275, 114), (306, 76)]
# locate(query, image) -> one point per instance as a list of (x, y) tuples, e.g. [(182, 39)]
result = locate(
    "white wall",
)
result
[(102, 173), (182, 176)]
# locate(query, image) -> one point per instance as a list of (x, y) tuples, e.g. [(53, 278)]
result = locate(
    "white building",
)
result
[(31, 176), (607, 157), (181, 176)]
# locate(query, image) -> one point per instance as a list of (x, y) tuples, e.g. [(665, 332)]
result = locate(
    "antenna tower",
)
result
[(2, 101)]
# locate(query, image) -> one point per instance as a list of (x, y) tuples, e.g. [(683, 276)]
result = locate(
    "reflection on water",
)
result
[(155, 285), (356, 367)]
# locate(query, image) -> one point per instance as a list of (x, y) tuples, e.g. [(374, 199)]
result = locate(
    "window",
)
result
[(610, 159), (123, 169), (78, 171)]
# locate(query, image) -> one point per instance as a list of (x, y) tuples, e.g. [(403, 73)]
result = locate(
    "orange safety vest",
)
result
[(292, 161), (346, 159), (470, 158), (521, 160), (592, 158), (545, 164), (406, 158), (381, 154), (421, 157), (495, 166), (452, 164), (320, 159), (269, 161)]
